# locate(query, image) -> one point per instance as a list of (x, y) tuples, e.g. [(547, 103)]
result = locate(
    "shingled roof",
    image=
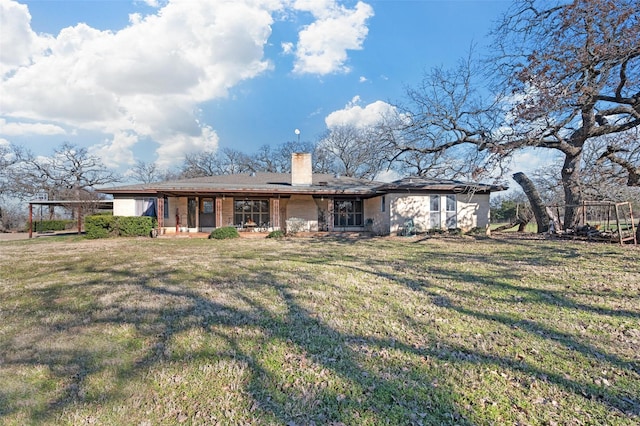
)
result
[(421, 184), (253, 183), (280, 184)]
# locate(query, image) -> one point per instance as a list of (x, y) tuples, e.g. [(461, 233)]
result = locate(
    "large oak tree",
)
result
[(562, 74), (71, 173)]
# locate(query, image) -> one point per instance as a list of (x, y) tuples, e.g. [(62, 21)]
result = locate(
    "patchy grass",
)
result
[(531, 227), (450, 330)]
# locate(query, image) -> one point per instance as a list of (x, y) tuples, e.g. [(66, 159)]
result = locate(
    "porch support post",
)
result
[(160, 212), (30, 220), (198, 214), (330, 212), (275, 213), (218, 223), (79, 219)]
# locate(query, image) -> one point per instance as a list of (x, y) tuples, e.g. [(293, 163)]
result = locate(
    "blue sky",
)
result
[(154, 80)]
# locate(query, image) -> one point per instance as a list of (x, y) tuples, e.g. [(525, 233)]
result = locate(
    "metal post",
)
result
[(633, 225), (79, 219), (30, 220)]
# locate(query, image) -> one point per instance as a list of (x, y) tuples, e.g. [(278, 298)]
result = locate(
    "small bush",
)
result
[(276, 234), (135, 226), (103, 226), (295, 225), (224, 233), (100, 226)]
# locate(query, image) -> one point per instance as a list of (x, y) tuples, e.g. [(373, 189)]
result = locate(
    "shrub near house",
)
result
[(104, 226)]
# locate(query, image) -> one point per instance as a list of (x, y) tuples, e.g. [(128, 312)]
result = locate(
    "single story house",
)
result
[(311, 202)]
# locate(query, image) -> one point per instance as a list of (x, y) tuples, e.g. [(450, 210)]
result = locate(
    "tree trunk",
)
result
[(539, 210), (572, 191)]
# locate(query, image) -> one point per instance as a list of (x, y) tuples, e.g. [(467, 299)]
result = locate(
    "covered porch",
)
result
[(192, 213)]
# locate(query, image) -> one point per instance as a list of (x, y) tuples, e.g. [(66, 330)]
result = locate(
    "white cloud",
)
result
[(19, 129), (182, 143), (117, 151), (530, 160), (147, 80), (287, 48), (144, 80), (18, 42), (363, 79), (354, 114), (322, 45), (388, 176)]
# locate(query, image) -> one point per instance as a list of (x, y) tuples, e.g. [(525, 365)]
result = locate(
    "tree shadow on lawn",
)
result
[(501, 278), (365, 394), (614, 398), (370, 391)]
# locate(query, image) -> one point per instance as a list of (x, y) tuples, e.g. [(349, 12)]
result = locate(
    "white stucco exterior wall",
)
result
[(405, 207), (124, 207), (373, 209), (472, 210)]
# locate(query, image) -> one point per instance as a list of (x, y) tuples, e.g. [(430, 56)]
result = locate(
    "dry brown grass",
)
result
[(452, 330)]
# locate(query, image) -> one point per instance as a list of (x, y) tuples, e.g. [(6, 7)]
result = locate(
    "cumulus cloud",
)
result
[(117, 150), (322, 46), (18, 42), (287, 48), (147, 80), (19, 129), (355, 115), (144, 80)]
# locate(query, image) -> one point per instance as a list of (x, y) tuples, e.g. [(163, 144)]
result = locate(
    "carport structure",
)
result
[(79, 206)]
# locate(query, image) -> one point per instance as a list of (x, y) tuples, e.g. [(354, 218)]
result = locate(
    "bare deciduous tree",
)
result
[(147, 172), (278, 159), (6, 160), (565, 73), (624, 159), (210, 163), (354, 151), (71, 173)]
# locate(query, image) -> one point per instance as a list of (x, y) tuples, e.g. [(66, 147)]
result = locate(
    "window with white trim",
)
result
[(451, 212), (434, 212)]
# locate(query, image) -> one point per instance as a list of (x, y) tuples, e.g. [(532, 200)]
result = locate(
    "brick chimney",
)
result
[(301, 169)]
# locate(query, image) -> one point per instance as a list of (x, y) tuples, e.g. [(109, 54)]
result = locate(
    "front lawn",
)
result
[(445, 330)]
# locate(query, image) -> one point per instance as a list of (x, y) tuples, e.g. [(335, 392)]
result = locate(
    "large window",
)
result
[(347, 213), (253, 212), (452, 212), (146, 207)]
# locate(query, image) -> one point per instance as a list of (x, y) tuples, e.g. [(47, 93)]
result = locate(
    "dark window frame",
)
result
[(348, 212), (256, 209)]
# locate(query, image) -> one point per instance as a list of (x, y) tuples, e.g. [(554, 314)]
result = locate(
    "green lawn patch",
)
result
[(300, 331)]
